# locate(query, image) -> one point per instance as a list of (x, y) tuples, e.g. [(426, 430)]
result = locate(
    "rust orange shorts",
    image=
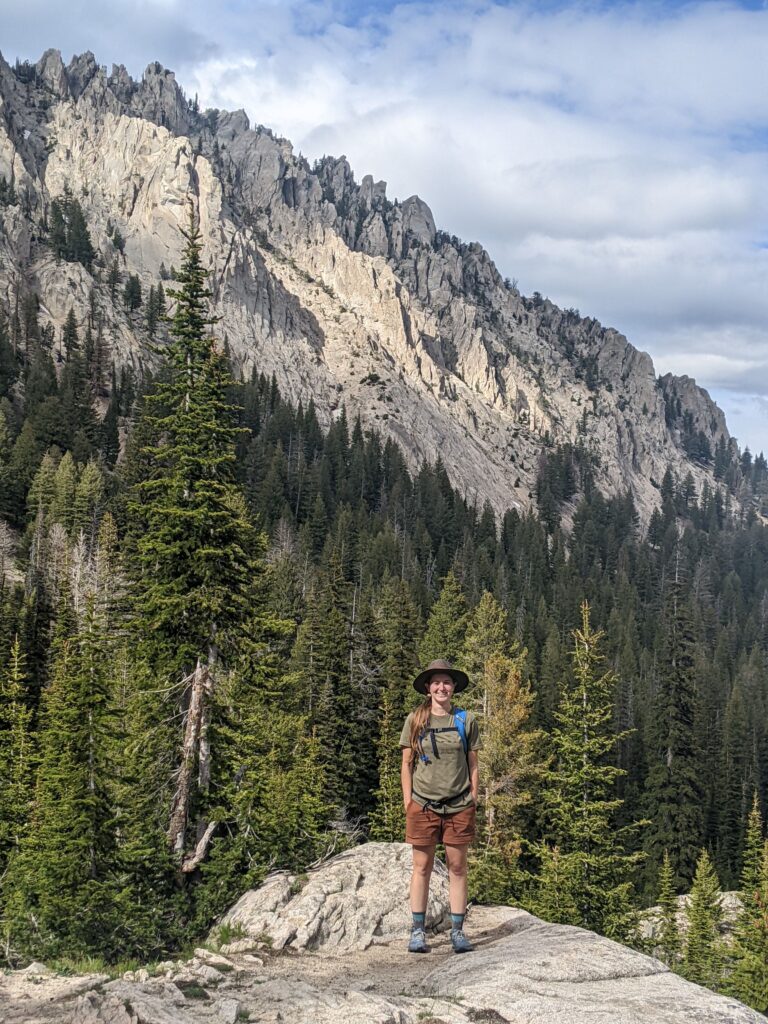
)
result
[(424, 827)]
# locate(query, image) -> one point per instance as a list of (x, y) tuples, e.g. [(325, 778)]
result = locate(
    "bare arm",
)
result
[(406, 775), (474, 774)]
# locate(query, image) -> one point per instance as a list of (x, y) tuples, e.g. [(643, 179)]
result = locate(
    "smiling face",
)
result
[(441, 687)]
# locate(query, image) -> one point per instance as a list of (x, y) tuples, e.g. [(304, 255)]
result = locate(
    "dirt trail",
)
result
[(387, 970)]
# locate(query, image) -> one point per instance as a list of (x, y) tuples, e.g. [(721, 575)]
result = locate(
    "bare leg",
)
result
[(423, 859), (456, 857)]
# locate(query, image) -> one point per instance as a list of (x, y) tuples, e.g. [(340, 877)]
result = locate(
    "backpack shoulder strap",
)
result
[(460, 719)]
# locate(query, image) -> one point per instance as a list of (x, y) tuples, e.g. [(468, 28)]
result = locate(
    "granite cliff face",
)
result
[(344, 295)]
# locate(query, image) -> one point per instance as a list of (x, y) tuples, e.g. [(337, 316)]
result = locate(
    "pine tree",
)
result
[(748, 955), (702, 958), (65, 486), (132, 293), (68, 233), (447, 623), (76, 393), (58, 892), (113, 277), (511, 765), (753, 852), (195, 550), (320, 663), (79, 246), (669, 942), (398, 627), (734, 782), (581, 808), (558, 885), (486, 637), (9, 365), (155, 310), (109, 442), (269, 779), (16, 753), (151, 907), (69, 335), (42, 490), (88, 503), (673, 793), (57, 230)]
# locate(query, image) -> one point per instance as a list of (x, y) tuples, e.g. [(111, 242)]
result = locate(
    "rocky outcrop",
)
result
[(730, 908), (355, 901), (331, 949), (346, 296)]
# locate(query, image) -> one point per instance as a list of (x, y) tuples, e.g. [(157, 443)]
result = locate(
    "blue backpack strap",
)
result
[(460, 720)]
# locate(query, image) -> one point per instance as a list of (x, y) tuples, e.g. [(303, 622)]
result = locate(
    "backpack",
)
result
[(459, 726)]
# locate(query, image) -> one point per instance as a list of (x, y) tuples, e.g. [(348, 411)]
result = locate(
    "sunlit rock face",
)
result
[(347, 297), (329, 947)]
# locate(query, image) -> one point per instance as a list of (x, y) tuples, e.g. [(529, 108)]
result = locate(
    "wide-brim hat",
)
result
[(460, 679)]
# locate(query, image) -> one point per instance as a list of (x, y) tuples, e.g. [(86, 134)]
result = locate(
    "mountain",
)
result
[(344, 295)]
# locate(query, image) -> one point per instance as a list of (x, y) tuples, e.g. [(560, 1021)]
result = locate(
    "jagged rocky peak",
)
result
[(688, 397), (121, 84), (156, 97), (371, 191), (53, 74), (348, 296), (161, 100), (418, 220), (230, 124), (81, 71)]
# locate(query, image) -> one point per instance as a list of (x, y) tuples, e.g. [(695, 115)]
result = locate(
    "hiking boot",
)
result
[(460, 942), (418, 943)]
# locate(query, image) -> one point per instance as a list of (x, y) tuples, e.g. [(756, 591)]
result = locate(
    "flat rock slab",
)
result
[(354, 900), (523, 970), (556, 974), (41, 996)]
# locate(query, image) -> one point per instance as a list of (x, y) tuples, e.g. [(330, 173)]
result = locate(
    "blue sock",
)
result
[(419, 919), (457, 921)]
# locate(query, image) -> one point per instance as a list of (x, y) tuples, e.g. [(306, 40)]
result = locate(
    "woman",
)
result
[(440, 782)]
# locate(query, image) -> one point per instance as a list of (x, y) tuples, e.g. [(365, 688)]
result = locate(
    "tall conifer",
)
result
[(321, 666), (59, 898), (673, 793), (703, 955), (669, 943), (397, 621), (194, 563), (16, 752), (748, 956), (580, 803), (447, 624), (268, 780)]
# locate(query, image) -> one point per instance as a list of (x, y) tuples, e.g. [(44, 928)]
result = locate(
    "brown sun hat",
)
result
[(421, 682)]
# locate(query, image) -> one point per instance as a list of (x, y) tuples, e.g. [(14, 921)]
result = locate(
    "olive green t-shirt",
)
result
[(447, 774)]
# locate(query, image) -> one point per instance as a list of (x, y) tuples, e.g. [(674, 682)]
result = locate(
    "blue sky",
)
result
[(610, 155)]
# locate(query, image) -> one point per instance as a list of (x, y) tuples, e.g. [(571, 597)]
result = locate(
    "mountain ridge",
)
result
[(346, 296)]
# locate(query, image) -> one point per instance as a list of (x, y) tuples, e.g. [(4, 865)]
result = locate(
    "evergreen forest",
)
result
[(212, 608)]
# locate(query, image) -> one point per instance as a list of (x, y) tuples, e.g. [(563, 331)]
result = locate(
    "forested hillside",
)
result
[(212, 610)]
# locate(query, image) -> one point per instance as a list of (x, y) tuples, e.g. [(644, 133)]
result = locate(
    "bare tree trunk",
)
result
[(201, 849), (189, 751), (204, 760)]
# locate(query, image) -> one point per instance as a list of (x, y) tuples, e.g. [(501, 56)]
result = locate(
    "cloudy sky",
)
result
[(612, 156)]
